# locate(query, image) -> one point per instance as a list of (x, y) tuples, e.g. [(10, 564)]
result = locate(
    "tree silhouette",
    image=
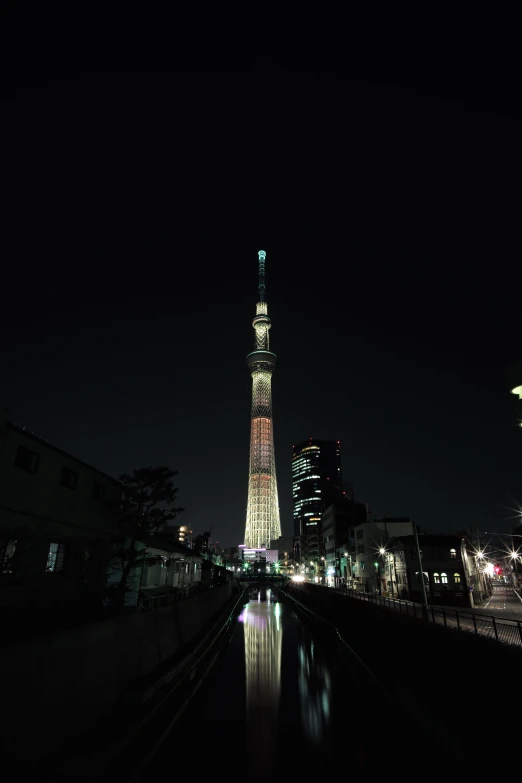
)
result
[(147, 506)]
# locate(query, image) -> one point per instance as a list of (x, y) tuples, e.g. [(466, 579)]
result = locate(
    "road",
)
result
[(504, 603)]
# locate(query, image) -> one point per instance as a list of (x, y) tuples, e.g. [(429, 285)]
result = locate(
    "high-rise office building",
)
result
[(262, 519), (316, 482)]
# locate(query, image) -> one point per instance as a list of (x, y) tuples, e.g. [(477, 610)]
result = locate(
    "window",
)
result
[(456, 578), (436, 579), (99, 491), (27, 460), (7, 550), (362, 564), (69, 478), (360, 549), (444, 579), (453, 554), (55, 557), (360, 533)]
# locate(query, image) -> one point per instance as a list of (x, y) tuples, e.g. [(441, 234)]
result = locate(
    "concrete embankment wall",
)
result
[(465, 685), (58, 687)]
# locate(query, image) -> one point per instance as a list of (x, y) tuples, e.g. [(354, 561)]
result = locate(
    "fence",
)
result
[(503, 631)]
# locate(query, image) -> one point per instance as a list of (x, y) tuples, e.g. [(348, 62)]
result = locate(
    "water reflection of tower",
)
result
[(263, 641), (315, 692)]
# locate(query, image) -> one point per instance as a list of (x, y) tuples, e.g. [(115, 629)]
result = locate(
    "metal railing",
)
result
[(501, 630)]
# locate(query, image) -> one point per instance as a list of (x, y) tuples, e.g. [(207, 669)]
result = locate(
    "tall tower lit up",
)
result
[(262, 519)]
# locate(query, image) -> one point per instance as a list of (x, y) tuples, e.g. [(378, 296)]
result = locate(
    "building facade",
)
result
[(364, 561), (449, 570), (57, 517), (262, 517), (316, 483), (339, 522)]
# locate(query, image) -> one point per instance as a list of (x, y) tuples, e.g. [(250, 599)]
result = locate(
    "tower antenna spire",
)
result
[(262, 256)]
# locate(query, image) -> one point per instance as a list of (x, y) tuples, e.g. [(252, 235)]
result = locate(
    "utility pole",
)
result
[(425, 615)]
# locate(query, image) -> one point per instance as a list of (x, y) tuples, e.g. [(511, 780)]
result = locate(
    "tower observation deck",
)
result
[(262, 519)]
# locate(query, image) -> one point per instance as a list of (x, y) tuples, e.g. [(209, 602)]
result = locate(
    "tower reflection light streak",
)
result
[(263, 634)]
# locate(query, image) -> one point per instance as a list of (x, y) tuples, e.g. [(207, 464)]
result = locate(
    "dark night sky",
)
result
[(388, 211)]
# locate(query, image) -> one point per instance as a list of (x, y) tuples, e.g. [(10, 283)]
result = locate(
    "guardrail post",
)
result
[(432, 614), (495, 628), (475, 622), (444, 617), (457, 619), (520, 630)]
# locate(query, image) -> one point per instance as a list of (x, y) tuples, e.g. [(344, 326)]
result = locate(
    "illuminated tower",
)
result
[(262, 519)]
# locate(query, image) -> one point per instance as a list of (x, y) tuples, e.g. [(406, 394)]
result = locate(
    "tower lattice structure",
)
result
[(262, 519)]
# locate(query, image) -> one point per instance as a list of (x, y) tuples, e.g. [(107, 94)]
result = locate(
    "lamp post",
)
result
[(425, 614), (382, 553), (348, 555), (388, 558)]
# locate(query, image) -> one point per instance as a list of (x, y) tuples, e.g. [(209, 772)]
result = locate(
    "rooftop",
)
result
[(22, 430)]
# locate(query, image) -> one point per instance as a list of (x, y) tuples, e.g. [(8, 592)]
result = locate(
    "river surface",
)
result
[(276, 703)]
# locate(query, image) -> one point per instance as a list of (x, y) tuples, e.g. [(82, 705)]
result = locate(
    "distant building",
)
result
[(339, 521), (284, 546), (316, 482), (203, 542), (57, 517), (232, 558)]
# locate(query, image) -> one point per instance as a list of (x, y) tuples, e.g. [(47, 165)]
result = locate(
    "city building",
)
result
[(316, 483), (262, 517), (284, 546), (449, 570), (339, 521), (203, 543), (57, 519), (361, 561), (165, 571)]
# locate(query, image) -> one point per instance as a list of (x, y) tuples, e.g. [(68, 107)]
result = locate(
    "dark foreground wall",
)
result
[(58, 687), (467, 686)]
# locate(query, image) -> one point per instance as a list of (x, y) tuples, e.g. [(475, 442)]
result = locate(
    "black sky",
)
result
[(388, 209)]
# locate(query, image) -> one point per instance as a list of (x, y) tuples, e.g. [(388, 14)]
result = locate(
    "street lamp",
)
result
[(387, 558)]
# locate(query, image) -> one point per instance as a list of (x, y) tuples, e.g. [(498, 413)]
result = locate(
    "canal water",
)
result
[(278, 702)]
